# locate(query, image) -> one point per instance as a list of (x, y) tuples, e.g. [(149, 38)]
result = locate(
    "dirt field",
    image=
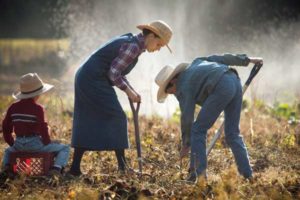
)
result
[(272, 137)]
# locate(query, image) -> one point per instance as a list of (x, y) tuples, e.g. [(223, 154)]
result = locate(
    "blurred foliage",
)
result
[(245, 104), (288, 141), (282, 110), (259, 103), (286, 111), (176, 115), (5, 102), (20, 56), (279, 110)]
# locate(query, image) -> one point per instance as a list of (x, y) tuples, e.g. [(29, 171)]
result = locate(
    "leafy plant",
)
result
[(285, 111)]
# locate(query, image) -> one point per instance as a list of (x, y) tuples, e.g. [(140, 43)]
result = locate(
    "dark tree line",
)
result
[(47, 18), (30, 18)]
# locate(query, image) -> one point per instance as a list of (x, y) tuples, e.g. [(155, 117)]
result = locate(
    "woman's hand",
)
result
[(132, 95), (255, 60)]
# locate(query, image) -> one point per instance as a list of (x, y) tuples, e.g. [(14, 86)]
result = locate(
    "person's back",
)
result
[(26, 118), (105, 54), (199, 79)]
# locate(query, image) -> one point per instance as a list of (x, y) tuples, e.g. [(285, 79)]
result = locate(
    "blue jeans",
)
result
[(227, 97), (34, 144)]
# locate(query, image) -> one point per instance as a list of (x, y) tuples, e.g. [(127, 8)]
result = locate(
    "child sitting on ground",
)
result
[(26, 119)]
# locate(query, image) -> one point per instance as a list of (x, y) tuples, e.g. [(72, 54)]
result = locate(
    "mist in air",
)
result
[(200, 28)]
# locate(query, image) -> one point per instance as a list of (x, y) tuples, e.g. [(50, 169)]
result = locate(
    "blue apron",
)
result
[(99, 121)]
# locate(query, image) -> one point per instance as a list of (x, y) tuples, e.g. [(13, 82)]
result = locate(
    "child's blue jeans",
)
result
[(34, 144), (227, 97)]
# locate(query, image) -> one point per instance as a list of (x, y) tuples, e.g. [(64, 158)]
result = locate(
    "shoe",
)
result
[(126, 170), (5, 174), (3, 177), (122, 169), (55, 176), (250, 179), (69, 175), (55, 172), (192, 178)]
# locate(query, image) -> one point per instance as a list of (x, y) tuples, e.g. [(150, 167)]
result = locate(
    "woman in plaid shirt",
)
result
[(99, 121)]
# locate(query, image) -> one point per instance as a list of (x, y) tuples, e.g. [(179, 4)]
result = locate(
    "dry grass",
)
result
[(14, 51), (276, 164)]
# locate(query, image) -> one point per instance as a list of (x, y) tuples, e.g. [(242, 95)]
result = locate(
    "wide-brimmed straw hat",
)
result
[(160, 28), (164, 77), (30, 86)]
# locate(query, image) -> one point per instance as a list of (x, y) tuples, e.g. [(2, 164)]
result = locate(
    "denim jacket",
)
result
[(195, 84)]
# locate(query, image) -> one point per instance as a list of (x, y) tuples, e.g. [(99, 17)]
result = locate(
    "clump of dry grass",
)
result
[(275, 164)]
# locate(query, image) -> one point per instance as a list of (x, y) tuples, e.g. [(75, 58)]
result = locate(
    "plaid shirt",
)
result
[(25, 118), (127, 53)]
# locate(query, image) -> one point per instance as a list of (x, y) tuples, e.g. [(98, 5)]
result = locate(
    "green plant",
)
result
[(282, 110)]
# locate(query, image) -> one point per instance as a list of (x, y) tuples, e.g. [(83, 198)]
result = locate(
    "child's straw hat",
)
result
[(30, 86)]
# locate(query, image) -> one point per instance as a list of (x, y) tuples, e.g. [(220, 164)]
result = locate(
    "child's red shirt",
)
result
[(25, 118)]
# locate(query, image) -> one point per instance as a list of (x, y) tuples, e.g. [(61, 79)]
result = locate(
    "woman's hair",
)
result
[(147, 32)]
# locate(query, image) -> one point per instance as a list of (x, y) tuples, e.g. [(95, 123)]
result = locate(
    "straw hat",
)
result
[(160, 28), (164, 77), (30, 86)]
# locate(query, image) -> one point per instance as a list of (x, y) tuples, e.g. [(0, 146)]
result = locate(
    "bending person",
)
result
[(210, 83)]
